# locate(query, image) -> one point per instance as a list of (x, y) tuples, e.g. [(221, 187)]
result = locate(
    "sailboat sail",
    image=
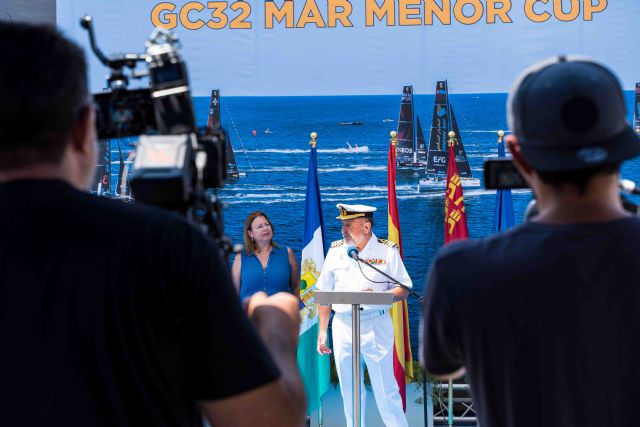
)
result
[(421, 147), (437, 155), (444, 121), (232, 166), (102, 178), (122, 187), (636, 110), (214, 122), (214, 110), (404, 147), (461, 156)]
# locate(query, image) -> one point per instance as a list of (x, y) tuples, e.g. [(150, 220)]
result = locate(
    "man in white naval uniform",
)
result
[(341, 273)]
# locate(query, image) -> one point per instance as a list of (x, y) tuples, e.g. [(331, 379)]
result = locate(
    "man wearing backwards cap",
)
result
[(544, 318), (341, 273)]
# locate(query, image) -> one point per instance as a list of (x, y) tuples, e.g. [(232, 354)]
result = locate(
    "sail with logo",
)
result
[(214, 122), (411, 152), (444, 121)]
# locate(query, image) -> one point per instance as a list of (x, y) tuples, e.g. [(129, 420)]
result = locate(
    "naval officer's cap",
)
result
[(355, 211)]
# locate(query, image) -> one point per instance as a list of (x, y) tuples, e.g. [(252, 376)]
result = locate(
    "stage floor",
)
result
[(334, 414)]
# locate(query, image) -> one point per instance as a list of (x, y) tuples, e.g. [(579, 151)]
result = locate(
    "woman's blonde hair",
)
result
[(250, 244)]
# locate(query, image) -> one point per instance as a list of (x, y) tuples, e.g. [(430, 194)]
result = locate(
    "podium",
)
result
[(355, 299)]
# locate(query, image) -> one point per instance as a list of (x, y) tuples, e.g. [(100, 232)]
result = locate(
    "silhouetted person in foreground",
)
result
[(544, 318), (115, 315)]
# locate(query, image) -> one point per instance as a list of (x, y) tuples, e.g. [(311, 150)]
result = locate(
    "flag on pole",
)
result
[(504, 218), (402, 359), (455, 218), (314, 368)]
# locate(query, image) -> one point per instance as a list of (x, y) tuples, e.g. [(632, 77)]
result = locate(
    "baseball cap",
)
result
[(569, 113)]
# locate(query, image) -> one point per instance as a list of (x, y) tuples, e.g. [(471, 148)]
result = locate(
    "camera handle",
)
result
[(117, 79)]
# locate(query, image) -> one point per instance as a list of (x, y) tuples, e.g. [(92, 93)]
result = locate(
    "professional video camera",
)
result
[(501, 173), (175, 162)]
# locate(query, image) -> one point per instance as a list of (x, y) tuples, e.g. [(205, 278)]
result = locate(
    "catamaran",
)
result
[(444, 121), (411, 153), (214, 122)]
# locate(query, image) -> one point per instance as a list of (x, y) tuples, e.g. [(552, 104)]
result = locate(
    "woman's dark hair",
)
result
[(44, 91), (249, 244), (578, 178)]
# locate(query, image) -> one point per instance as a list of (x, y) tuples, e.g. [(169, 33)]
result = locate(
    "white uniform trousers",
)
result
[(376, 348)]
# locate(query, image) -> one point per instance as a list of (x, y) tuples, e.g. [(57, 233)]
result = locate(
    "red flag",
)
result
[(402, 359), (455, 218)]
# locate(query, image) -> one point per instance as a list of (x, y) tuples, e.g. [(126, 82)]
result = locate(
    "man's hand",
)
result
[(279, 403), (275, 314), (322, 343)]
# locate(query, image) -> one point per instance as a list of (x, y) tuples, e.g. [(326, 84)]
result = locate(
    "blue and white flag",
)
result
[(314, 368), (503, 218)]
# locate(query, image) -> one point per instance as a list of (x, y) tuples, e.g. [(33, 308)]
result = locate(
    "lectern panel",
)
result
[(361, 297)]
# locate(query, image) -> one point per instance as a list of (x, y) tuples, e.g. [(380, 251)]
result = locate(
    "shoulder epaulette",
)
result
[(337, 243), (389, 243)]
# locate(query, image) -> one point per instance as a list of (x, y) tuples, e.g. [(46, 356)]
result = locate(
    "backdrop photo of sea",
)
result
[(276, 166)]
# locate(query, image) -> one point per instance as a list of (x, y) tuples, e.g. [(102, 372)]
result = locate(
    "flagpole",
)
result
[(313, 144), (314, 368)]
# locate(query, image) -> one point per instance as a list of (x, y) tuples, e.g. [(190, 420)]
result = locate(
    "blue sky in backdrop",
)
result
[(362, 60)]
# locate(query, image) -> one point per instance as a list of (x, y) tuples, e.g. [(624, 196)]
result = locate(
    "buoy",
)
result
[(254, 132)]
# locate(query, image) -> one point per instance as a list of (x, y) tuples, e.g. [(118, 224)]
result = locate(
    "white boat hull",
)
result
[(430, 184)]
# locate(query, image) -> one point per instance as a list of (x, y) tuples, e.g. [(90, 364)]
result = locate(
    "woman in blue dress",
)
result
[(263, 265)]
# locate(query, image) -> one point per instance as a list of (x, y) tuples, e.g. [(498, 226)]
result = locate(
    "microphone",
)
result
[(352, 252), (628, 186)]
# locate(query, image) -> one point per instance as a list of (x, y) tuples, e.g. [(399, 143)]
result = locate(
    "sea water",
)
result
[(276, 164)]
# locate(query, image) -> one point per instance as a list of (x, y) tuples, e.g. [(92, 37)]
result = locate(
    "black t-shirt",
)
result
[(114, 315), (546, 320)]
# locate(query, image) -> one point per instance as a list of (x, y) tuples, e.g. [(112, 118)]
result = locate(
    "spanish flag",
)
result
[(402, 360), (455, 218)]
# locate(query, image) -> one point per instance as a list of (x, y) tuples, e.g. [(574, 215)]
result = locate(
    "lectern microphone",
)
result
[(352, 252)]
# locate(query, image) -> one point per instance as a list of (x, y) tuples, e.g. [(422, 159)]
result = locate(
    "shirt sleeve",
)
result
[(439, 352), (325, 281), (224, 356), (397, 269)]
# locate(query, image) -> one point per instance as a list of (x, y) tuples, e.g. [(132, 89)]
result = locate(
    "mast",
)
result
[(414, 118), (636, 110)]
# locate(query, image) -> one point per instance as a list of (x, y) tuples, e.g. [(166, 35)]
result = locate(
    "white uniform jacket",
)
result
[(341, 273)]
